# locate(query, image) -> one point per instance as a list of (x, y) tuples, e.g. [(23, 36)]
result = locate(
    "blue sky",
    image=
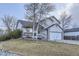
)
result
[(17, 10)]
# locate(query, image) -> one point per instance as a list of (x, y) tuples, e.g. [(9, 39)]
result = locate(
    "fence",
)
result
[(71, 37)]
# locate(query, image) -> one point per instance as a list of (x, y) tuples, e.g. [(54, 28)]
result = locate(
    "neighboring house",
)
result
[(72, 34), (26, 27), (49, 28), (1, 32)]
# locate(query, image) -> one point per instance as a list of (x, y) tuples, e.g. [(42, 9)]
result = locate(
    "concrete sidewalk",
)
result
[(69, 41)]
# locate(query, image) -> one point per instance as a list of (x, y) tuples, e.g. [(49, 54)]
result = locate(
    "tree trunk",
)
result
[(37, 30), (34, 23), (33, 32), (62, 34)]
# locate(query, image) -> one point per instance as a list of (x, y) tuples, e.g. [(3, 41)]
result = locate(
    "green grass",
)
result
[(41, 48)]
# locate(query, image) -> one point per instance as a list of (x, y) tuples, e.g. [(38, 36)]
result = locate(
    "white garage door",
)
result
[(54, 36)]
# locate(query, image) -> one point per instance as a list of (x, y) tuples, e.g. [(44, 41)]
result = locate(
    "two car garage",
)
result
[(54, 33), (54, 36)]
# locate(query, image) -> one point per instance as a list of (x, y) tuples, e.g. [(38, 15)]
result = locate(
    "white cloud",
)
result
[(66, 8)]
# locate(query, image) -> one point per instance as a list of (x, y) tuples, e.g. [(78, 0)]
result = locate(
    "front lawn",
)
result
[(29, 47)]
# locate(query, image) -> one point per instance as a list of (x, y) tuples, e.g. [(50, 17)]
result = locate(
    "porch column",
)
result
[(47, 34)]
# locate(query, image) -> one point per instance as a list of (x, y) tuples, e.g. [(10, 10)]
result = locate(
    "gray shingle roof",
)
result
[(26, 23), (29, 24), (72, 30)]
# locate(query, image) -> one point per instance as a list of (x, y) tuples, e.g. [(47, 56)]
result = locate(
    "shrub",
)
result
[(4, 37), (15, 34), (12, 34)]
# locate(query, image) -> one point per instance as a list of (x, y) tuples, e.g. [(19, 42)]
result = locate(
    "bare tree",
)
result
[(65, 20), (38, 11), (31, 14), (9, 22)]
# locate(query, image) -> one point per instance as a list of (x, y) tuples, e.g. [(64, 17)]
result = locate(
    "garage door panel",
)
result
[(54, 36)]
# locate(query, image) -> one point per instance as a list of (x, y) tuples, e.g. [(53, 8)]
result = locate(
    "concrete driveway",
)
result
[(69, 41)]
